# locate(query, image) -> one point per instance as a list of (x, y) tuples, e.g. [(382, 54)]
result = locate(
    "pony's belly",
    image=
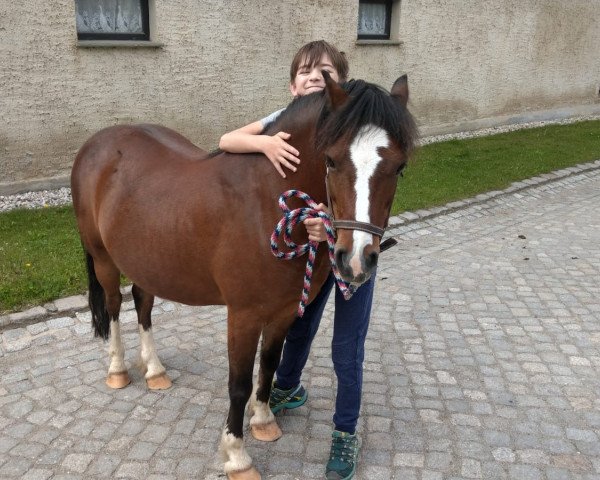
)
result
[(180, 278), (190, 291)]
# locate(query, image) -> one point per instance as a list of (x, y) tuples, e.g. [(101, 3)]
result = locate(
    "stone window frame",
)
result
[(148, 39), (392, 36)]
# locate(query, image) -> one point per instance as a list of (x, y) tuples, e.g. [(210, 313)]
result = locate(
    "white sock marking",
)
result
[(234, 453), (116, 351), (148, 354), (262, 413)]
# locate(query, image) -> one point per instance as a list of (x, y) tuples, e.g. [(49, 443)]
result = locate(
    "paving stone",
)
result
[(135, 470), (60, 322), (77, 462), (409, 460), (37, 474), (103, 466), (15, 467), (142, 451)]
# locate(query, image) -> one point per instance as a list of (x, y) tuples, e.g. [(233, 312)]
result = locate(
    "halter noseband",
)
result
[(350, 224)]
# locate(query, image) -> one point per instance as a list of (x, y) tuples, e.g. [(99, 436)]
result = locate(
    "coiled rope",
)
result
[(285, 226)]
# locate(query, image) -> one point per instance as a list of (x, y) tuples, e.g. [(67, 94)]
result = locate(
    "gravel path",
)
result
[(62, 196)]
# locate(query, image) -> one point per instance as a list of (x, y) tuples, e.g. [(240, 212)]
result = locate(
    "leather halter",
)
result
[(350, 224), (355, 225)]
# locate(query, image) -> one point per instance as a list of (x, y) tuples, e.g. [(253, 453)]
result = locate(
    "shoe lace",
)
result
[(278, 395), (343, 448)]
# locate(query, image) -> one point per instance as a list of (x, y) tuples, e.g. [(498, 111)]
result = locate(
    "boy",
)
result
[(351, 318)]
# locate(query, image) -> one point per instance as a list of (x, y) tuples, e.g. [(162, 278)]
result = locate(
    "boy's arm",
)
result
[(249, 140)]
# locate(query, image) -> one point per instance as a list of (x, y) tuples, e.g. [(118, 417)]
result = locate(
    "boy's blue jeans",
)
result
[(351, 321)]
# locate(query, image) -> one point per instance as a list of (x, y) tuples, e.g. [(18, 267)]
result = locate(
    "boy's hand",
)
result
[(315, 228), (280, 153)]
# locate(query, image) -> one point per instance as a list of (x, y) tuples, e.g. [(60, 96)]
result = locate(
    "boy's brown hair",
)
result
[(311, 54)]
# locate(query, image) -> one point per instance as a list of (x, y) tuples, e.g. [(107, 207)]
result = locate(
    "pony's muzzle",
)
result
[(356, 267)]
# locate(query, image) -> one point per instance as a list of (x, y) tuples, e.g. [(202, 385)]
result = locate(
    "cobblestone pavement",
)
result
[(482, 362)]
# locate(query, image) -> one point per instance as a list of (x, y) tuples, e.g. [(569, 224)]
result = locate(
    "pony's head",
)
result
[(365, 135)]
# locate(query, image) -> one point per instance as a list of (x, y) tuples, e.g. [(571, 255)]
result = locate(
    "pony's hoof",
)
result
[(267, 432), (118, 380), (248, 474), (159, 382)]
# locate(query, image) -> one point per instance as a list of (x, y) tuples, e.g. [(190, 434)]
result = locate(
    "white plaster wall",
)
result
[(225, 63)]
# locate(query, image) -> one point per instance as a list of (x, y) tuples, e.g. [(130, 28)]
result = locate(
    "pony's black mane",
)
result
[(214, 153), (368, 104)]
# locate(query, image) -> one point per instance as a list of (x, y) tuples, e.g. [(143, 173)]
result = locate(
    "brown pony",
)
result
[(194, 228)]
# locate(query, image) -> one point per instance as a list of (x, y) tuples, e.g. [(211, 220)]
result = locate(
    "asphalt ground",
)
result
[(481, 362)]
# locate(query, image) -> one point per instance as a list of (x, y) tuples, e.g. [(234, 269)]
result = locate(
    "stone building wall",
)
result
[(219, 64)]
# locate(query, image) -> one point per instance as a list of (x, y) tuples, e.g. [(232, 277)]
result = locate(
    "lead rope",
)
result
[(289, 220)]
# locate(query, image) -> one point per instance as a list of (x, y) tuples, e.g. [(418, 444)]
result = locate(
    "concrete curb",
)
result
[(398, 225), (59, 308)]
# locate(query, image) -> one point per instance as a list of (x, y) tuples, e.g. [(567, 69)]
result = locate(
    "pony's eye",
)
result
[(329, 162), (400, 170)]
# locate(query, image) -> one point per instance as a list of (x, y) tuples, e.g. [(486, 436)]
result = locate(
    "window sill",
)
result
[(118, 44), (379, 42)]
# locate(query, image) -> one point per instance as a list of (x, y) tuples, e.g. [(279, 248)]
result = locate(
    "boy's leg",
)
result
[(299, 339), (351, 322)]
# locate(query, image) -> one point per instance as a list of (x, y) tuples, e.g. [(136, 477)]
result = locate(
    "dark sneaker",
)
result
[(342, 459), (292, 398)]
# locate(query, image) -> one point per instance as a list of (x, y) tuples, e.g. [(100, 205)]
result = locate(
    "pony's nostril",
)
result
[(341, 257), (371, 260)]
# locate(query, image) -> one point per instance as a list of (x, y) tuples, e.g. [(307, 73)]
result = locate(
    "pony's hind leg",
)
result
[(105, 304), (263, 424), (117, 371), (154, 371)]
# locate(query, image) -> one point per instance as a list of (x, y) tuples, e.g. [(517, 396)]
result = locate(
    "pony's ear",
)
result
[(335, 94), (400, 89)]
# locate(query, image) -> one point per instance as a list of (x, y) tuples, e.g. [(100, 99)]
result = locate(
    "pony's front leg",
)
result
[(263, 424), (242, 342), (154, 371)]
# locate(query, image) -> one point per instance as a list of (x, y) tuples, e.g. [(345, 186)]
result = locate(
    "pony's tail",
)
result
[(97, 302)]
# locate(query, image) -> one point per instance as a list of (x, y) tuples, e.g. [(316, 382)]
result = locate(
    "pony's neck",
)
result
[(300, 121)]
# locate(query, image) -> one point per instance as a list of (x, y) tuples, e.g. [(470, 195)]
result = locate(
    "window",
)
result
[(374, 19), (112, 20)]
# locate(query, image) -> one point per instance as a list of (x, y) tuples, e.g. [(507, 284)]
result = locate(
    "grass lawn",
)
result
[(457, 169), (41, 258)]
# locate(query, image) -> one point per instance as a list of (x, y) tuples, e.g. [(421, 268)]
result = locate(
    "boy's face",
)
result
[(309, 79)]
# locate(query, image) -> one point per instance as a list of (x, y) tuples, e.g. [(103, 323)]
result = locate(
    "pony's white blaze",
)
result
[(365, 157)]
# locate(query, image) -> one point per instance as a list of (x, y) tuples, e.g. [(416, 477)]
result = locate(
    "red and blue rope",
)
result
[(285, 226)]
